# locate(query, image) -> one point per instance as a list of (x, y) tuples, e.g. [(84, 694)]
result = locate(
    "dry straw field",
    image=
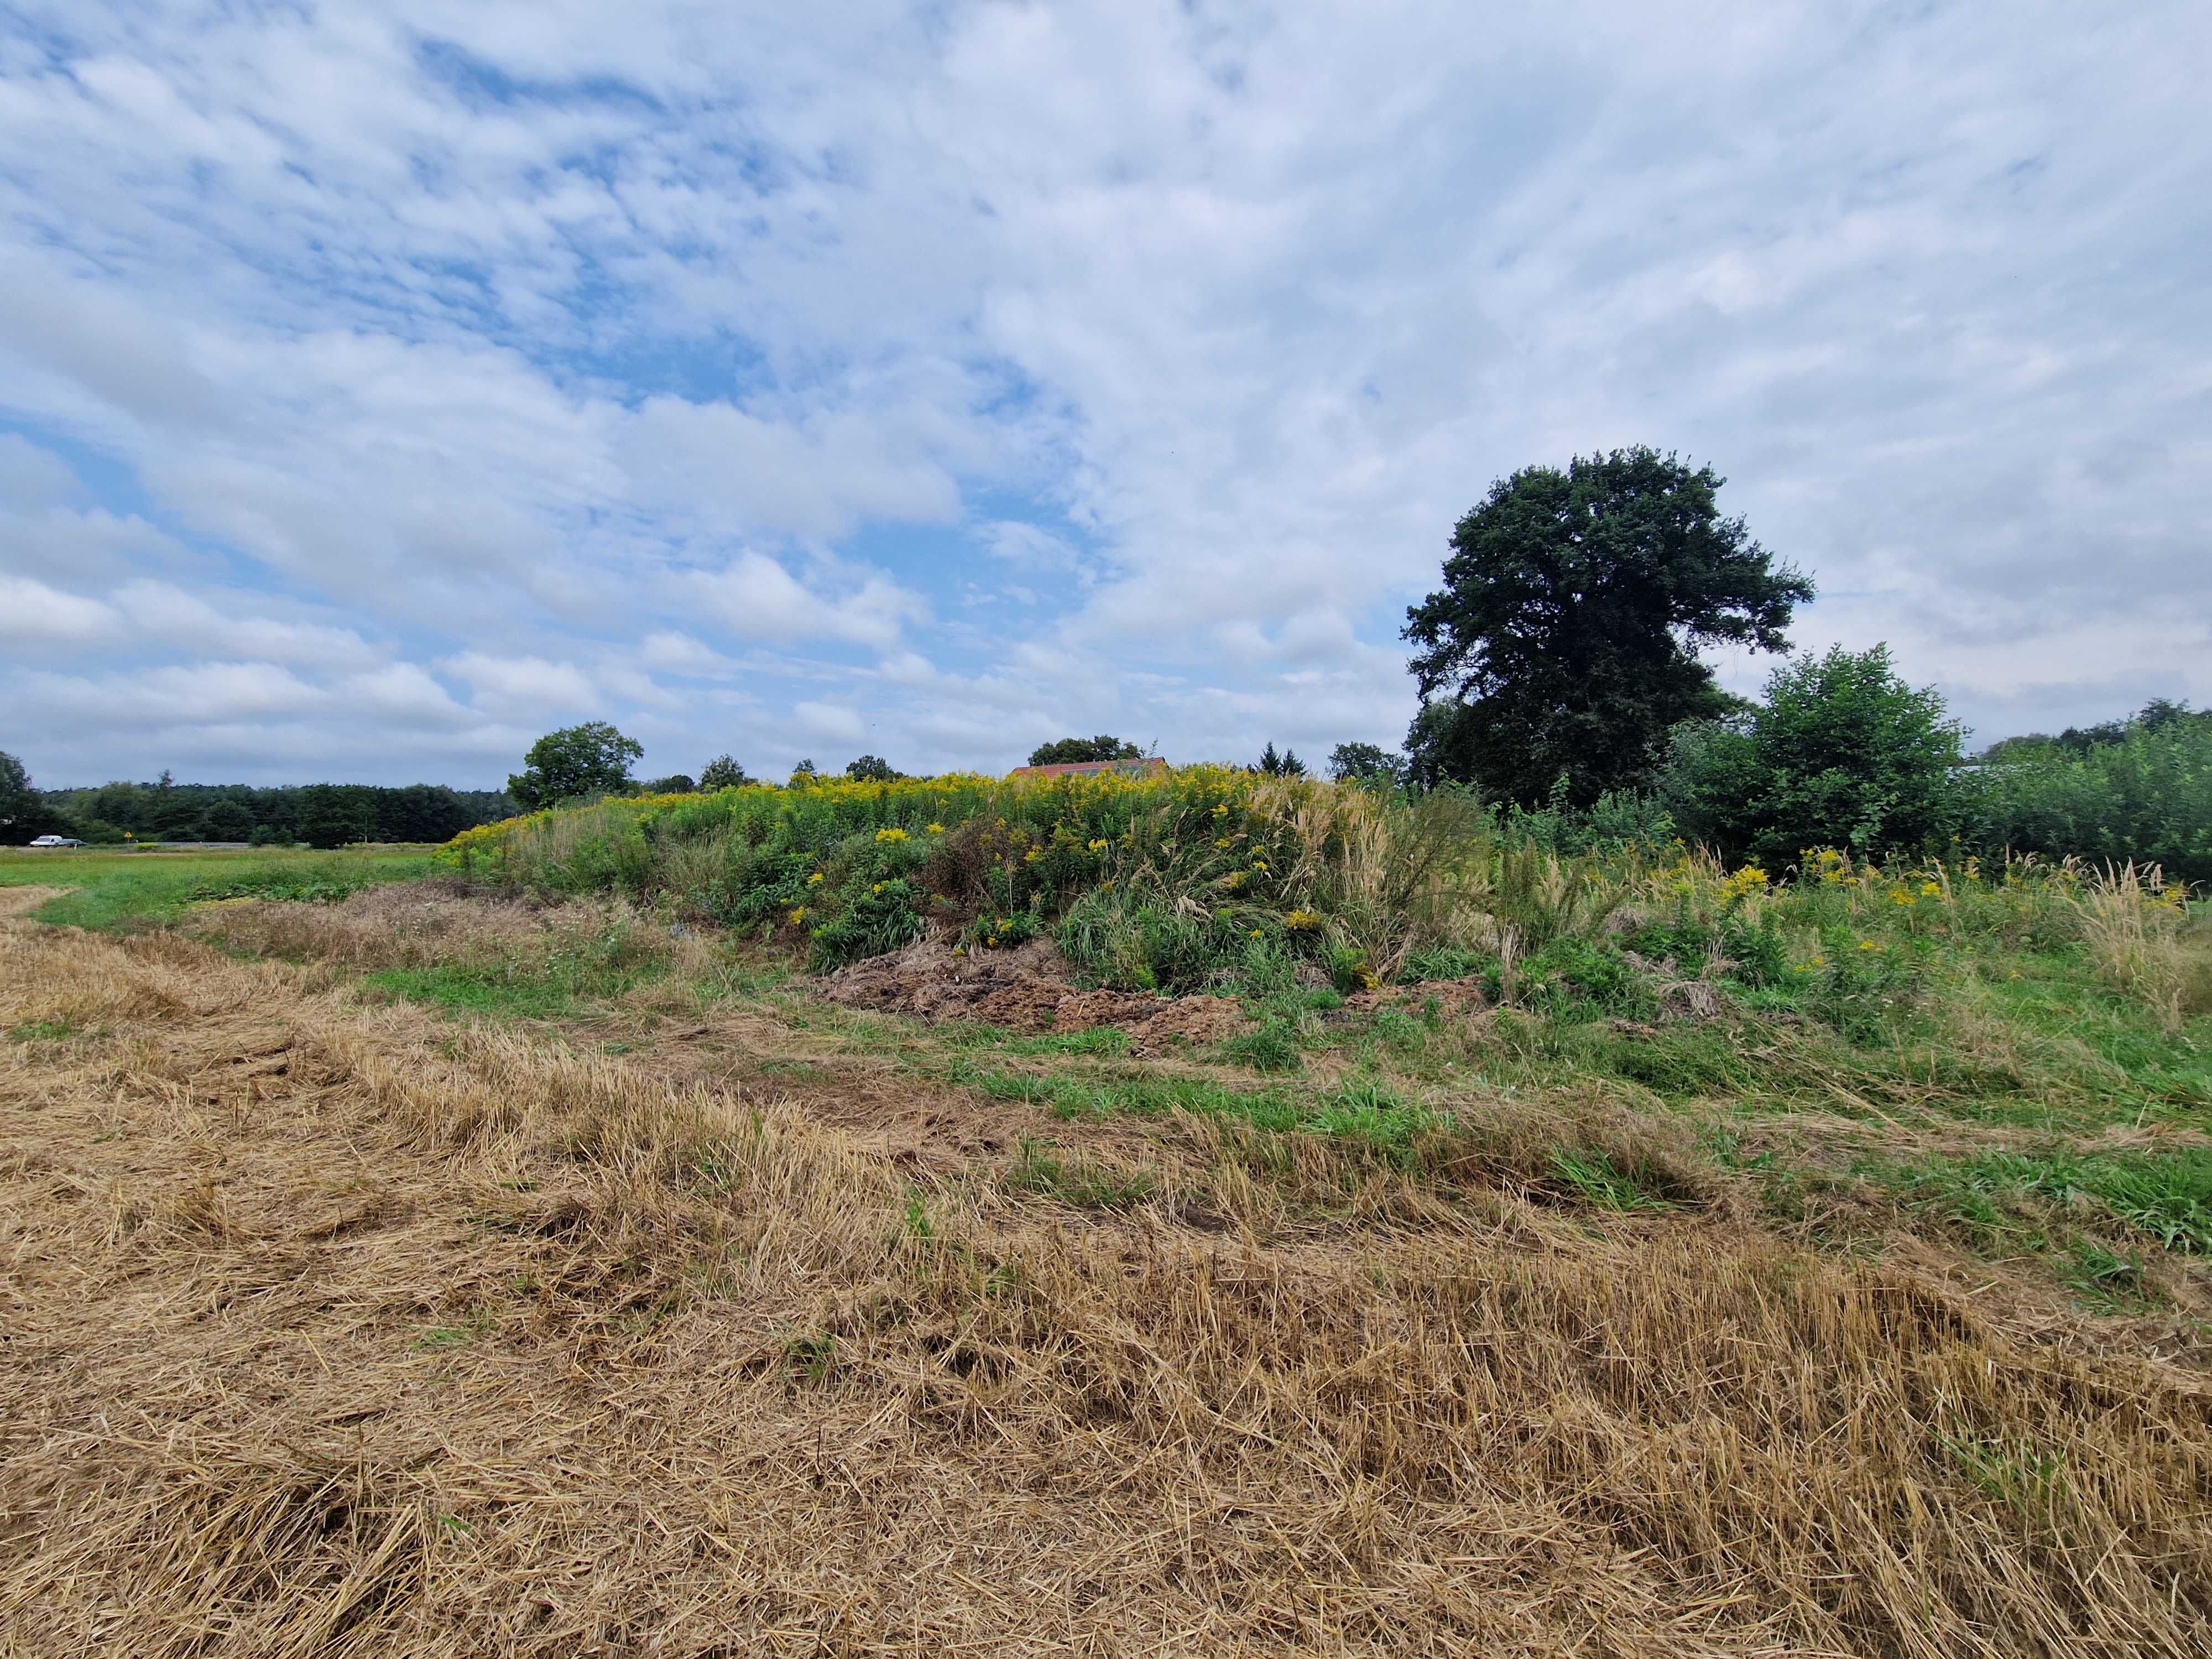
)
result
[(337, 1325)]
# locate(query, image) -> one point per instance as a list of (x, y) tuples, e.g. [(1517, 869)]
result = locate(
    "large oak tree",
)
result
[(1564, 640)]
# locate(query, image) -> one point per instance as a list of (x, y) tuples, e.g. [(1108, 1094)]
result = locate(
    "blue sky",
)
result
[(383, 385)]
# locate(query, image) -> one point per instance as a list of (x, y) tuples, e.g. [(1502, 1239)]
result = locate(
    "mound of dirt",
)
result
[(1026, 989)]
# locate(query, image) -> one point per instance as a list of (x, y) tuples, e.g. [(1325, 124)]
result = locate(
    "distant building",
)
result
[(1149, 766)]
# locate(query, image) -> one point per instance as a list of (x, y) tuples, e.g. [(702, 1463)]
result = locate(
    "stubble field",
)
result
[(426, 1271)]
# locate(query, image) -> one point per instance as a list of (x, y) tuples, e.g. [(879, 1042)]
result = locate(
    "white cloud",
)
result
[(1169, 341), (201, 692), (30, 611), (754, 596), (403, 692), (523, 685), (167, 614), (828, 722), (675, 652)]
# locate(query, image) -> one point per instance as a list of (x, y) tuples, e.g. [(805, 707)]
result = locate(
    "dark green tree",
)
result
[(1285, 765), (676, 783), (1076, 751), (1564, 640), (722, 772), (1842, 753), (227, 820), (17, 798), (336, 814), (419, 813), (1368, 764), (591, 759), (871, 768)]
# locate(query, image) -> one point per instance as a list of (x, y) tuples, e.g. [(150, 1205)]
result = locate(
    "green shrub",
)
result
[(2146, 798), (1842, 753)]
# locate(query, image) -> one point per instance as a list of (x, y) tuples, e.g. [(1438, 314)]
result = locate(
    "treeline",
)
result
[(1841, 752), (320, 814)]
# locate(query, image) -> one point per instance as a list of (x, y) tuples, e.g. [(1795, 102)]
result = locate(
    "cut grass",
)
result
[(1080, 1182), (581, 1351)]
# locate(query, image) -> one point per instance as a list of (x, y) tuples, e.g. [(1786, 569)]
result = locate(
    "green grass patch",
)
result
[(1099, 1040), (1599, 1183), (125, 890), (2032, 1199), (1368, 1111), (42, 1031), (551, 990)]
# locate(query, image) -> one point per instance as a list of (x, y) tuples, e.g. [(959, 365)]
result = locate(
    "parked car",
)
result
[(56, 840)]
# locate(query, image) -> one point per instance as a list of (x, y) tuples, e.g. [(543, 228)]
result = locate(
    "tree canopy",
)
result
[(872, 768), (1565, 639), (16, 799), (591, 759), (1075, 752), (1841, 753), (1366, 763), (722, 772)]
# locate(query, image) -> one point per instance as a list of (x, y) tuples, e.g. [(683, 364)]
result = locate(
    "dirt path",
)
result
[(339, 1329)]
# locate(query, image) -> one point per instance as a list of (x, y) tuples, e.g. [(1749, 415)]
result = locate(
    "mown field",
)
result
[(1235, 1217)]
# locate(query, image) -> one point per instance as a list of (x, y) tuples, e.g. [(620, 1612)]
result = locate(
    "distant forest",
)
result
[(320, 814)]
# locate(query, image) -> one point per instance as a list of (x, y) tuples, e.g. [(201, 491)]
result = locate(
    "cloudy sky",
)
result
[(384, 384)]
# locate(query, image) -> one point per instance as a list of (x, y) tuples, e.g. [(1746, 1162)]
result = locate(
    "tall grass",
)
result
[(1214, 878), (2130, 920)]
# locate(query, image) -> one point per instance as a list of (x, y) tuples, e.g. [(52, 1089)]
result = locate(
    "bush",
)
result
[(1842, 753), (2147, 797)]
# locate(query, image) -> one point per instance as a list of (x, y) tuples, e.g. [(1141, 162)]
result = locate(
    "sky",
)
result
[(384, 384)]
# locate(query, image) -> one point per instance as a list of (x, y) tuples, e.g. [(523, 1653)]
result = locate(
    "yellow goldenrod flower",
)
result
[(799, 916), (815, 877), (893, 834)]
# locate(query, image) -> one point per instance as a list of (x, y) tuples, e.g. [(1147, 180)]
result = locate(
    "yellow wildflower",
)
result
[(799, 916), (815, 877), (893, 834), (936, 829), (1749, 879)]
